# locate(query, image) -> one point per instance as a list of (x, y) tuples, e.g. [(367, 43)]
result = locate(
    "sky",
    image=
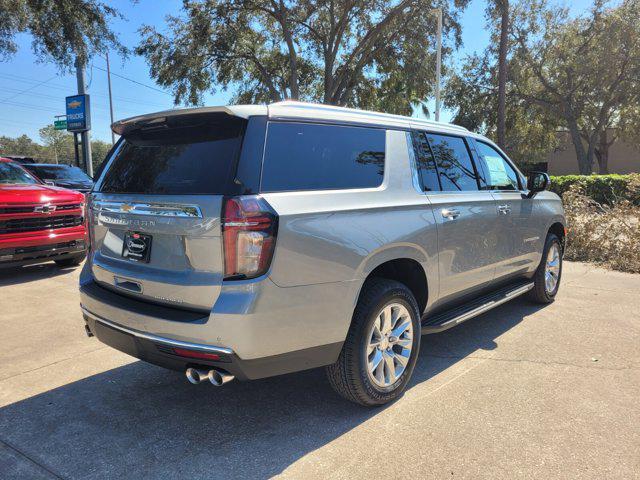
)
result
[(32, 93)]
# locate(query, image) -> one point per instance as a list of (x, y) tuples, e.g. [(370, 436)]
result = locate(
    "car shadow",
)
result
[(32, 273), (142, 421)]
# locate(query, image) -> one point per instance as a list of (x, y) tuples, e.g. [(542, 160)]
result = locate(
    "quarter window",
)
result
[(302, 156), (500, 174), (454, 164)]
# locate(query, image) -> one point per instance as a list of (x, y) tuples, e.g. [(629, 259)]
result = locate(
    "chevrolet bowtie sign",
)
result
[(78, 118)]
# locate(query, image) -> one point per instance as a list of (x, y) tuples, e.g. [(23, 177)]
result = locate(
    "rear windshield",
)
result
[(58, 173), (195, 156)]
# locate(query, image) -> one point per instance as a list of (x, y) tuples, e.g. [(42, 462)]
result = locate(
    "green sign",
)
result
[(60, 124)]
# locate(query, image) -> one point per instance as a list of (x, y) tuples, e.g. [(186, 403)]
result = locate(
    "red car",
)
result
[(38, 222)]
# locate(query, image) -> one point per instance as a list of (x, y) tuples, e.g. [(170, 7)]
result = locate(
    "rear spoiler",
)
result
[(122, 127)]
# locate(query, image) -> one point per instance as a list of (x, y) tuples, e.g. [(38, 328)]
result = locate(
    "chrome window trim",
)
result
[(148, 209), (155, 338), (458, 192)]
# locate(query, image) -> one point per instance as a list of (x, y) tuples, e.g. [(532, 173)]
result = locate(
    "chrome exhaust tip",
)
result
[(196, 375), (219, 378), (216, 377)]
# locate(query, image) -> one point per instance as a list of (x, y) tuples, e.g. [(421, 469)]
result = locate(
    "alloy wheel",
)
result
[(389, 345), (552, 268)]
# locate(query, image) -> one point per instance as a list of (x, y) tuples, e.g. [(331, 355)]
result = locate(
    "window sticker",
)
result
[(497, 171)]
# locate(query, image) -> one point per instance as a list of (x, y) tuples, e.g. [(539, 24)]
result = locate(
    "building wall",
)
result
[(623, 158)]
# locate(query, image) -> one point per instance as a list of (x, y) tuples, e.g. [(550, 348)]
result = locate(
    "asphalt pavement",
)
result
[(523, 391)]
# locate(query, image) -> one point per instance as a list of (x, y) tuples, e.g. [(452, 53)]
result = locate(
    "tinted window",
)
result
[(198, 158), (500, 175), (454, 164), (58, 172), (13, 174), (425, 163), (302, 156), (74, 173)]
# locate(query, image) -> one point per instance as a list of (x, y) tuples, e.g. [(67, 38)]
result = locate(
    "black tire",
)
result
[(70, 261), (348, 376), (539, 293)]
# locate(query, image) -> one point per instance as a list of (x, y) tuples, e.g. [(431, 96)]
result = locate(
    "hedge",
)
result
[(604, 189)]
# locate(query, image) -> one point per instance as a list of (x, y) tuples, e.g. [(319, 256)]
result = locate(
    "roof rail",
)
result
[(365, 113)]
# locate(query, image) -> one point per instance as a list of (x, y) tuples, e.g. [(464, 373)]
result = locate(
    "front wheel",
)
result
[(549, 272), (381, 349)]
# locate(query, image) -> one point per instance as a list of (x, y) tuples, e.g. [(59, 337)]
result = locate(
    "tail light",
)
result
[(249, 228)]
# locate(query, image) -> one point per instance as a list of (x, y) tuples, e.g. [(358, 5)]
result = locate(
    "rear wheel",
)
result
[(381, 349), (70, 261), (547, 277)]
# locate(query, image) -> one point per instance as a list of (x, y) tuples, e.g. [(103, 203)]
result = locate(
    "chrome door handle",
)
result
[(450, 213), (504, 209)]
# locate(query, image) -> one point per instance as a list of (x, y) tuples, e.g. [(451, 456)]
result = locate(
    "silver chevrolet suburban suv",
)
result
[(252, 241)]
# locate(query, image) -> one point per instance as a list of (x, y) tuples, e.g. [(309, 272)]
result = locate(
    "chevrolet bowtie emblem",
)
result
[(126, 208), (45, 209)]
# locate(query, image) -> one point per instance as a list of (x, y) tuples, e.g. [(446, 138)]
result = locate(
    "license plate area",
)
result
[(137, 247)]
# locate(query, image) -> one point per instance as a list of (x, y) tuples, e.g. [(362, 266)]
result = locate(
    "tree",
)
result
[(61, 29), (22, 145), (57, 148), (503, 7), (624, 126), (366, 53), (99, 150), (579, 74), (58, 143), (622, 120), (472, 91), (583, 70)]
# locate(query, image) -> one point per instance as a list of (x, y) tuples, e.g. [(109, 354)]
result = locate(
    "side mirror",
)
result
[(537, 182)]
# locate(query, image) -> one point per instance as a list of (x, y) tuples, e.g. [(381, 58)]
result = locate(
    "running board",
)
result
[(451, 318)]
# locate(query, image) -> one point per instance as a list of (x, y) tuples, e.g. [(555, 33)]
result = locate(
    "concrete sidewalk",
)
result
[(520, 392)]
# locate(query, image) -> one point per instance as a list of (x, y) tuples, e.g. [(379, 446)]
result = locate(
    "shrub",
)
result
[(603, 189), (607, 234)]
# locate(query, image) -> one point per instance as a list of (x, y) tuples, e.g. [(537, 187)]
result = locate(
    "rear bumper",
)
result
[(159, 351), (256, 319)]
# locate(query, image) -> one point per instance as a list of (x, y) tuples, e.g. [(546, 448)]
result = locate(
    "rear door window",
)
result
[(197, 158), (303, 156), (453, 161)]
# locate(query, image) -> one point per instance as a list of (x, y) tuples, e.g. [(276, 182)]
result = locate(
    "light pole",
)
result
[(438, 12)]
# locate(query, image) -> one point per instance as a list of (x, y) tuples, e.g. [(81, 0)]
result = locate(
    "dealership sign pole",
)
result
[(79, 116)]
